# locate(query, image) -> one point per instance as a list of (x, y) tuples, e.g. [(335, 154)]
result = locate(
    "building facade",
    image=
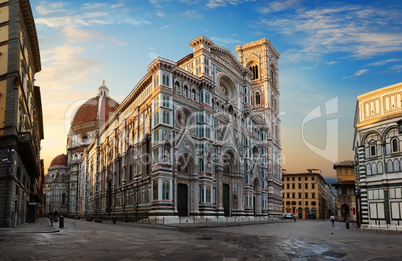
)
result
[(197, 137), (377, 150), (61, 189), (306, 195), (345, 187), (21, 127)]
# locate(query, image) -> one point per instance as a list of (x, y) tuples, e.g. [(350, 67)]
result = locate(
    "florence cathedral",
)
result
[(199, 137)]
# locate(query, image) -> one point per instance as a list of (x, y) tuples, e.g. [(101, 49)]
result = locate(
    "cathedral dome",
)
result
[(93, 113), (60, 160)]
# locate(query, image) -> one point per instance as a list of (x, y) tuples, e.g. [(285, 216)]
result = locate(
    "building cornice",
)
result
[(32, 36)]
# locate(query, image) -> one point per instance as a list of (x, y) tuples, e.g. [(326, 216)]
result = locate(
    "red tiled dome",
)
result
[(60, 160), (88, 111)]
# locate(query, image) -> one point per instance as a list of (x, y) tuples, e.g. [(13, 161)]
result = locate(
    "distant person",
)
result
[(332, 218), (51, 218)]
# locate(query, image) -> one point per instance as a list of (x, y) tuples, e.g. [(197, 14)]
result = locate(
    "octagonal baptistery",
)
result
[(88, 118)]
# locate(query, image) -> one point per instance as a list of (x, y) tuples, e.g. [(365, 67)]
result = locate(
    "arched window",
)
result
[(389, 166), (394, 145), (254, 70), (380, 171), (396, 165), (368, 169), (374, 169), (373, 149), (257, 99)]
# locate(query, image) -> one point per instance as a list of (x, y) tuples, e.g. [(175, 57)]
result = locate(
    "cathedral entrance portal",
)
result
[(182, 201), (226, 199)]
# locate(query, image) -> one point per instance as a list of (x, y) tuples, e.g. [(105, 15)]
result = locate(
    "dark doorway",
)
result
[(182, 195), (345, 212), (226, 200)]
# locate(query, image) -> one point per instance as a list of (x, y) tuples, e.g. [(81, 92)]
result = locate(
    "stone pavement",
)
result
[(42, 225), (272, 240)]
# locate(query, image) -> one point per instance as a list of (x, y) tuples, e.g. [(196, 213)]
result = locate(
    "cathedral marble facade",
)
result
[(197, 137)]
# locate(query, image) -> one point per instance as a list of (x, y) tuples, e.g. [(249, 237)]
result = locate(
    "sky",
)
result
[(331, 52)]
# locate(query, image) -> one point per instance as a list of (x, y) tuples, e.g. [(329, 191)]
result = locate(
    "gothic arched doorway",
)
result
[(185, 169), (229, 168)]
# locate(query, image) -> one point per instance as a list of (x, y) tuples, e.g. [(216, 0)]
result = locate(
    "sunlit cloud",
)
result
[(47, 8), (72, 20), (61, 67), (75, 34)]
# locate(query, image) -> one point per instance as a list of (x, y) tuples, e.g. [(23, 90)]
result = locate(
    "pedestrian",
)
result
[(332, 218), (51, 218), (294, 218)]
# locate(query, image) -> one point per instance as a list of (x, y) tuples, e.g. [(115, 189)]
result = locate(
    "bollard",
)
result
[(347, 224), (114, 219), (61, 222)]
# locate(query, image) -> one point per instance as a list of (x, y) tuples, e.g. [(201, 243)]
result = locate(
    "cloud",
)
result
[(160, 13), (118, 42), (360, 31), (383, 62), (356, 74), (47, 8), (225, 41), (192, 14), (219, 3), (332, 62), (75, 34), (61, 67), (361, 72), (152, 55), (87, 16), (72, 20), (396, 68), (121, 4), (273, 7), (88, 6)]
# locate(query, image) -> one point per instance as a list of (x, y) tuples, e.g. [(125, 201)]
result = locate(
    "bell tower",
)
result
[(261, 58)]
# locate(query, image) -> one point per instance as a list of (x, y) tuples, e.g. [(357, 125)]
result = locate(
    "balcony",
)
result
[(28, 153)]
